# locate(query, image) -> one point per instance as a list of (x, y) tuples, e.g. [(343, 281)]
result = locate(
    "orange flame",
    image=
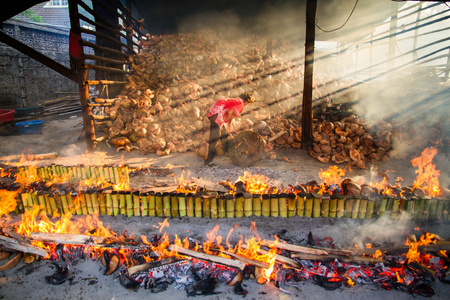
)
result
[(8, 201), (256, 184), (427, 175), (333, 175), (413, 253)]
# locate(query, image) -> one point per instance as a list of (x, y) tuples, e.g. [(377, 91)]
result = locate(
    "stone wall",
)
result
[(24, 82)]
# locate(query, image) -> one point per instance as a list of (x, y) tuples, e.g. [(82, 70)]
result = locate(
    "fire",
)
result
[(378, 254), (8, 201), (333, 175), (256, 184), (413, 254), (427, 175)]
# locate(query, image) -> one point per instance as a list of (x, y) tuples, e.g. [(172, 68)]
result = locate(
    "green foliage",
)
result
[(32, 15)]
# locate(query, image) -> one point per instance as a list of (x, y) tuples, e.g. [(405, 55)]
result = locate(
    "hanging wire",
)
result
[(351, 13)]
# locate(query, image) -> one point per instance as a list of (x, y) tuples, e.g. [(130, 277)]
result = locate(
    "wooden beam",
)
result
[(355, 259), (307, 115), (66, 238), (294, 248), (23, 247), (36, 55)]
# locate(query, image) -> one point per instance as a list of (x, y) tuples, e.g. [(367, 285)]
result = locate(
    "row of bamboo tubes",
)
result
[(111, 174), (219, 205)]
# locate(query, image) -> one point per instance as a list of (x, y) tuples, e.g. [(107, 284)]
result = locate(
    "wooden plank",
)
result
[(66, 238), (209, 185), (355, 259), (294, 248), (23, 247)]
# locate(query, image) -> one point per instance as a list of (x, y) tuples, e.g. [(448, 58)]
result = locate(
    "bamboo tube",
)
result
[(122, 203), (29, 201), (325, 208), (257, 201), (265, 205), (101, 200), (84, 175), (213, 205), (174, 205), (101, 173), (198, 205), (229, 199), (48, 203), (151, 198), (189, 205), (221, 206), (239, 205), (116, 203), (64, 202), (95, 202), (433, 208), (106, 173), (309, 202), (136, 204), (42, 204), (425, 208), (88, 172), (48, 208), (340, 210), (446, 209), (409, 207), (395, 207), (116, 174), (382, 208), (129, 203), (71, 204), (291, 204), (57, 198), (35, 199), (166, 204), (159, 210), (370, 206), (274, 209), (333, 206), (316, 205), (54, 173), (108, 202), (418, 207), (206, 207), (440, 208), (356, 202), (363, 207), (24, 198), (282, 205), (77, 203), (248, 204), (181, 204), (389, 205), (300, 203), (144, 207), (89, 208)]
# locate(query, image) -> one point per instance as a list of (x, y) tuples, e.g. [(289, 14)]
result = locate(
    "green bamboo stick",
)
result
[(370, 206), (47, 207), (48, 204), (101, 198), (111, 174), (101, 173), (136, 204), (325, 208), (71, 203), (116, 203), (301, 201), (363, 207), (174, 210), (77, 203), (129, 204), (395, 207), (356, 202), (182, 204), (89, 208), (159, 205), (24, 198), (116, 174), (440, 208), (333, 206), (213, 206), (291, 204), (198, 205), (64, 202), (418, 207), (433, 208), (95, 202), (109, 203), (229, 199), (144, 206), (257, 202), (42, 205), (309, 202), (409, 208), (265, 207), (389, 205), (122, 203), (206, 207), (446, 209), (34, 199), (58, 203), (166, 204), (274, 209), (282, 205), (221, 206), (425, 208), (316, 205), (248, 204), (190, 205), (106, 173), (239, 205), (151, 204), (382, 208)]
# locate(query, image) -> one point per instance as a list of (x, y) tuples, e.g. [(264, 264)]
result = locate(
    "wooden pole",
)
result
[(307, 115)]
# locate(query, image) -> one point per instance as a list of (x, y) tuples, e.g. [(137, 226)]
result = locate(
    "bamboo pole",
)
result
[(181, 199), (274, 209), (325, 208), (166, 204), (64, 202), (122, 203), (159, 210), (440, 208), (87, 198), (116, 202), (136, 204), (433, 208), (151, 204), (301, 204), (363, 208), (389, 205), (248, 204), (340, 206), (95, 204), (144, 204), (348, 207), (410, 206), (128, 204), (239, 205), (282, 205), (229, 199), (292, 201), (395, 207), (213, 206), (41, 199), (221, 206), (316, 205), (190, 205), (57, 199), (333, 206), (309, 201), (265, 209), (198, 205), (356, 202), (24, 200), (71, 203), (174, 208), (256, 204), (206, 207), (370, 206), (109, 202), (77, 203)]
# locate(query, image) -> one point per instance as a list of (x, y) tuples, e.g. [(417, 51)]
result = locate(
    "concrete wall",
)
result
[(25, 82)]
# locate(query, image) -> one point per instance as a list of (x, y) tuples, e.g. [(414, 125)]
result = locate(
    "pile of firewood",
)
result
[(176, 78)]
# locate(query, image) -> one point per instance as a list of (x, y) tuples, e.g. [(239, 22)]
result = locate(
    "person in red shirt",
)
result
[(221, 113)]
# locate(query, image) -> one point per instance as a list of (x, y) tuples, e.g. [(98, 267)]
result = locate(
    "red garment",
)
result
[(222, 106)]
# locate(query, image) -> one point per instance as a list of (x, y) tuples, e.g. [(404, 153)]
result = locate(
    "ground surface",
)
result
[(88, 282)]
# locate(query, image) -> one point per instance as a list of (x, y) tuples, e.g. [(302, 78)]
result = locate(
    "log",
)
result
[(405, 248), (15, 245), (256, 263), (12, 262), (209, 185), (212, 258), (277, 136), (281, 259), (295, 248), (153, 264), (355, 259), (66, 238)]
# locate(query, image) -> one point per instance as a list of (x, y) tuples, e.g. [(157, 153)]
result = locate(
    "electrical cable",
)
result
[(351, 13)]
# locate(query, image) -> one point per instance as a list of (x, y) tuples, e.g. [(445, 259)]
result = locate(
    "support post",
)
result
[(307, 115)]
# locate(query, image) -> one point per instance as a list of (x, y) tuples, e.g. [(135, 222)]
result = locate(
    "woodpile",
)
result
[(176, 78)]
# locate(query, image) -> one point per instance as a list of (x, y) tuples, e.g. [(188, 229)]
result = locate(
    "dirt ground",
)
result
[(62, 135)]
